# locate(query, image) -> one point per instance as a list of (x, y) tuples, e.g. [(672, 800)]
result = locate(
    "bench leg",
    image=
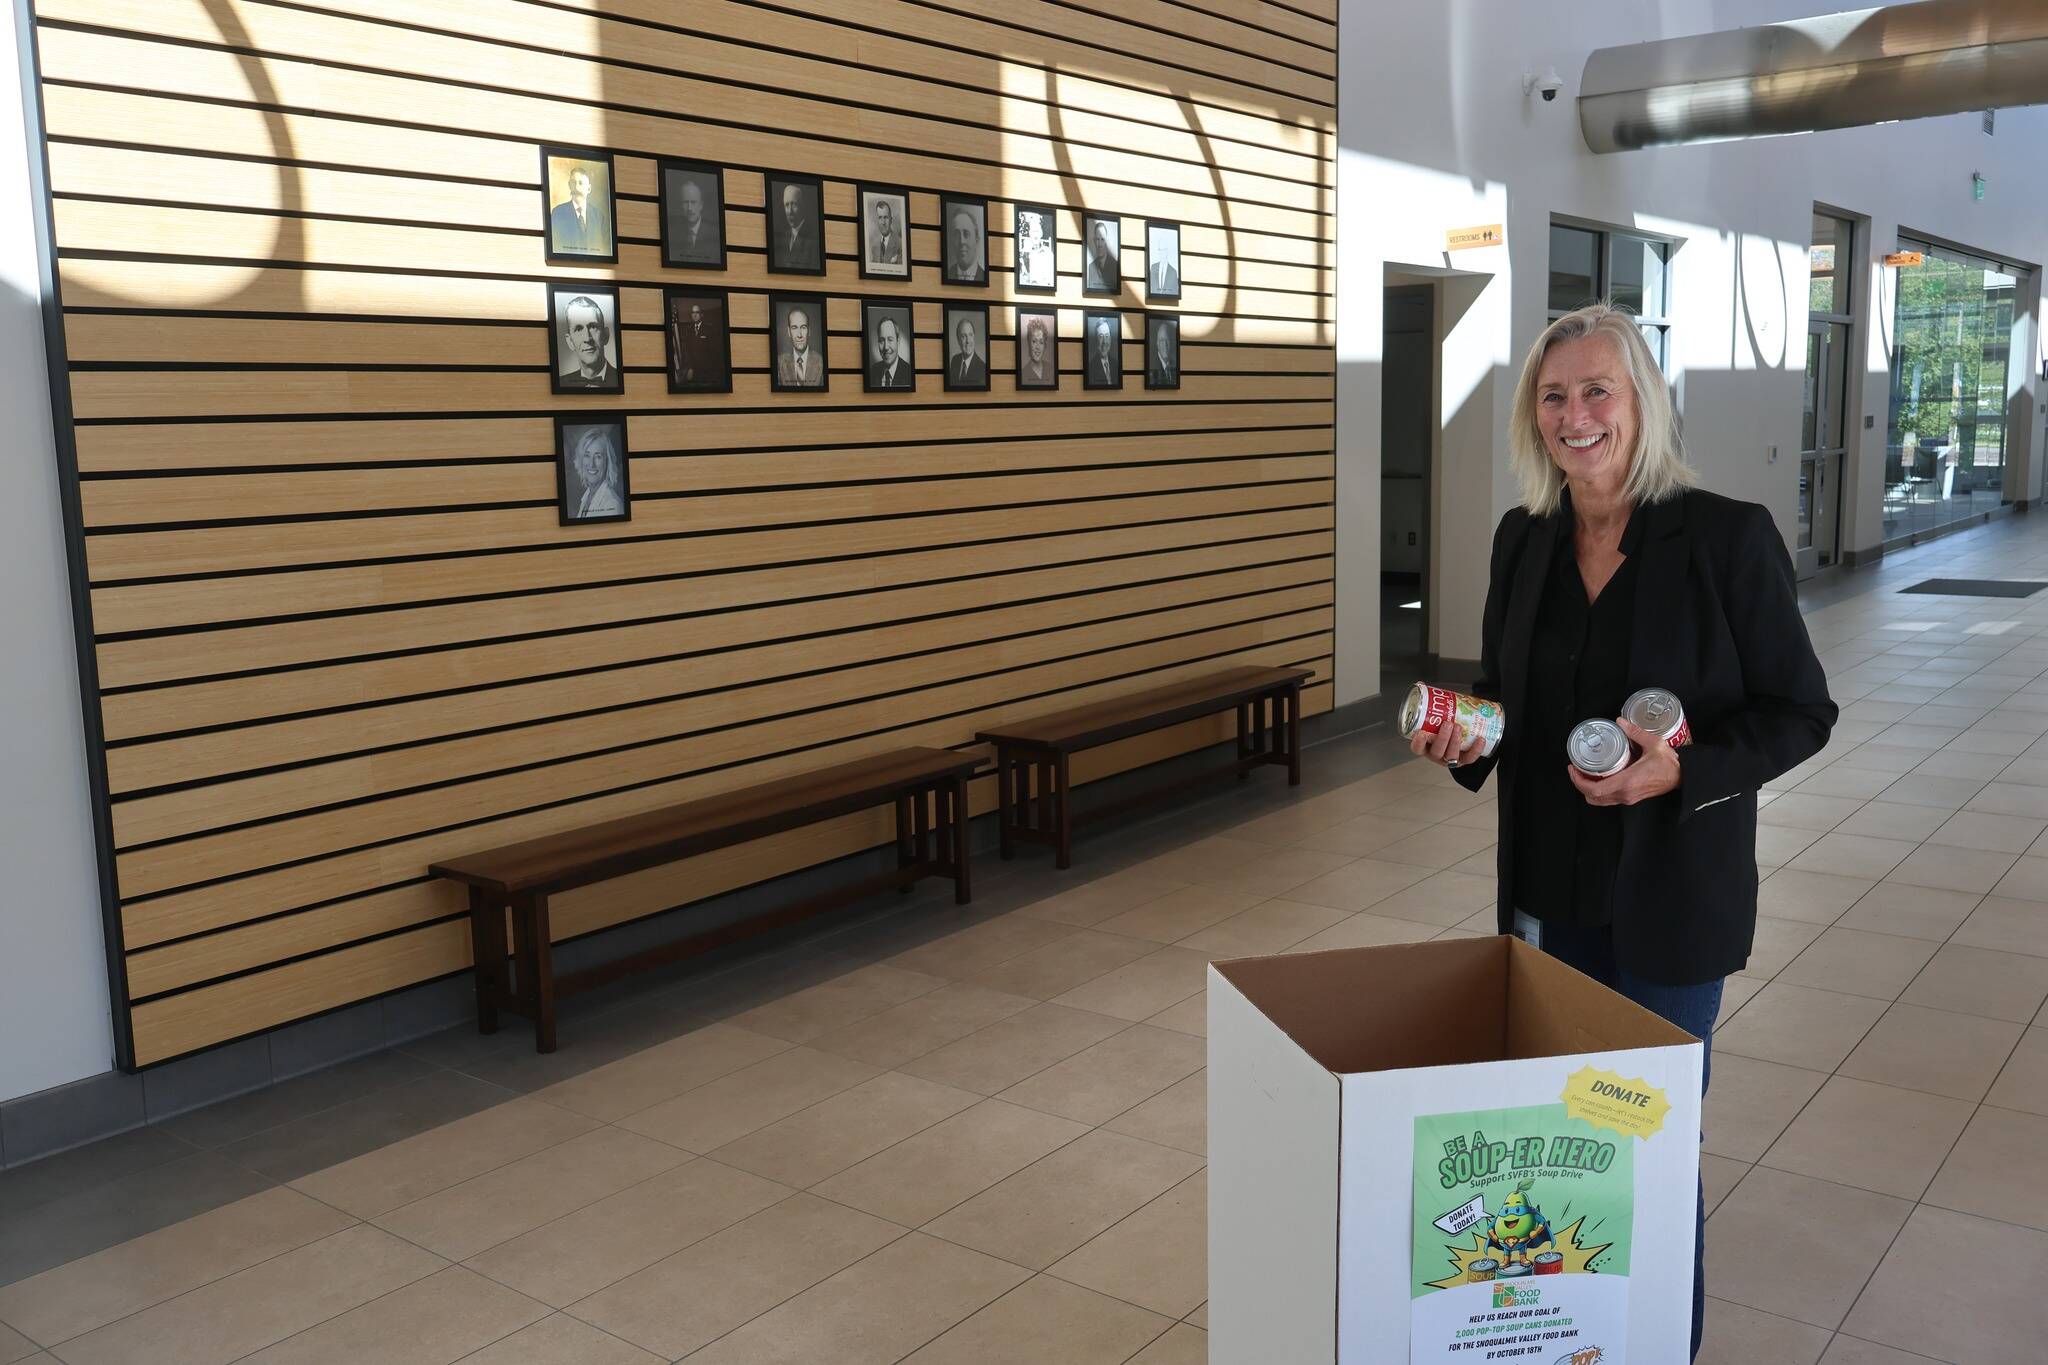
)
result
[(1063, 811), (487, 950), (543, 975), (1293, 705), (1006, 803), (904, 856), (956, 819)]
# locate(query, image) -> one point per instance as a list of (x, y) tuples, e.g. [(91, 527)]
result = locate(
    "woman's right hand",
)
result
[(1437, 748)]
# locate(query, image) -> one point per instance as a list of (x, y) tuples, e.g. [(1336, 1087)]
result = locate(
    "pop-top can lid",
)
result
[(1596, 746), (1411, 709), (1654, 709)]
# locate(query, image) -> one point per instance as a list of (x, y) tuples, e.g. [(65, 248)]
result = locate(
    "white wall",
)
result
[(54, 1024), (1435, 133)]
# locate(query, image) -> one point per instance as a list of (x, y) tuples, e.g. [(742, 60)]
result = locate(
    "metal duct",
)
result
[(1803, 75)]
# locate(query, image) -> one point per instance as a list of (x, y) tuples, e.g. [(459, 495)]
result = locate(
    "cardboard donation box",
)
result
[(1440, 1153)]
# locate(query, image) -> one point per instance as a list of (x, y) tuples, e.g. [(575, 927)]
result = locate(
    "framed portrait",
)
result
[(577, 205), (591, 470), (1162, 259), (1038, 348), (692, 214), (1162, 351), (967, 347), (1037, 242), (1102, 249), (583, 338), (886, 364), (796, 224), (964, 254), (1102, 350), (796, 340), (698, 326), (884, 232)]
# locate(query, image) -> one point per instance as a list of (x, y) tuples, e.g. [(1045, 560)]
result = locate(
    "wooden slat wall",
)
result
[(339, 633)]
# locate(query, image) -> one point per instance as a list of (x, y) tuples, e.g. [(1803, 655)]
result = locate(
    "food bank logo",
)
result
[(1507, 1295)]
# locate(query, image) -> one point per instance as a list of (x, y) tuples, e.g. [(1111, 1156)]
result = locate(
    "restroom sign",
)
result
[(1464, 239)]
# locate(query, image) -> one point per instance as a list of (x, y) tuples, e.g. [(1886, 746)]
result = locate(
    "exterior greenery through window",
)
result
[(1626, 268)]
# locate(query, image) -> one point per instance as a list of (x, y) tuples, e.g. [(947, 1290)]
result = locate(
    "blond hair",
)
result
[(1657, 469)]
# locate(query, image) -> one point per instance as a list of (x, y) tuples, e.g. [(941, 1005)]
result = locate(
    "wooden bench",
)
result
[(927, 786), (1031, 757)]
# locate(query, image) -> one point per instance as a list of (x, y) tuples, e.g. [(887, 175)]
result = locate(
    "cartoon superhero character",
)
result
[(1519, 1230)]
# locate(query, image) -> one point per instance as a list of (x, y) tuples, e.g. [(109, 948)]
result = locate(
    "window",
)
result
[(1624, 268)]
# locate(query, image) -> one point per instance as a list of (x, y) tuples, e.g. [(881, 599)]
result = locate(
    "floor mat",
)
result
[(1976, 587)]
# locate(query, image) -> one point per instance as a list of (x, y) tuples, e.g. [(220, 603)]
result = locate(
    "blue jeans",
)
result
[(1692, 1008)]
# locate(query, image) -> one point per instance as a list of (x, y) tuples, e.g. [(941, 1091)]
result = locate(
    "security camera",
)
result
[(1546, 85)]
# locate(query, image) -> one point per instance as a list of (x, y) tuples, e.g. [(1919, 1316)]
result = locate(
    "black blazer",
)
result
[(1716, 620)]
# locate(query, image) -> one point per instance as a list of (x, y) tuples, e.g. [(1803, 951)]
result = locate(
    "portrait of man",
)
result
[(967, 347), (579, 196), (1162, 352), (796, 233), (884, 232), (1102, 269), (966, 226), (699, 341), (1038, 348), (583, 337), (1162, 260), (1104, 366), (590, 471), (885, 330), (1037, 249), (798, 326), (692, 215)]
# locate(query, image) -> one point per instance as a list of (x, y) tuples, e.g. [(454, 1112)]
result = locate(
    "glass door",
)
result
[(1824, 420)]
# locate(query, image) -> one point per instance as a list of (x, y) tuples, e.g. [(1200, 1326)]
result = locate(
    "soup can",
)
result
[(1597, 748), (1549, 1263), (1481, 1270), (1428, 709), (1659, 712), (1514, 1270)]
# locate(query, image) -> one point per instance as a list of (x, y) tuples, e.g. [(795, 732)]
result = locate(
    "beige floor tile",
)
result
[(1064, 964), (1954, 763), (1888, 758), (1994, 983), (1939, 1051), (611, 1239), (266, 1303), (1910, 911), (1851, 855), (1367, 931), (1157, 1258), (853, 1125), (1875, 1137), (495, 1207), (1777, 845), (1848, 1350), (1938, 793), (834, 1004), (2023, 1083), (1359, 884), (915, 1027), (923, 1176), (1443, 899), (1813, 897), (1797, 811), (1004, 1053), (711, 1287), (1798, 1026), (1044, 1211), (1777, 943), (1141, 988), (1994, 833), (1951, 869), (1433, 802), (433, 1321), (1738, 1335), (380, 1181), (1269, 927), (2028, 879), (1890, 820), (1486, 864), (1181, 1345), (988, 944), (1177, 1116), (1797, 1247), (1190, 1016), (1720, 1174), (1439, 846), (1957, 1288), (1045, 1320), (1362, 835), (1178, 913), (1289, 825), (1100, 1082), (1199, 1318), (1859, 963), (875, 1311), (1978, 1176), (2007, 925), (1095, 901), (2012, 798), (1749, 1103), (59, 1304), (753, 1097), (1259, 870), (661, 1072), (561, 1340), (1836, 780), (1737, 991), (14, 1346)]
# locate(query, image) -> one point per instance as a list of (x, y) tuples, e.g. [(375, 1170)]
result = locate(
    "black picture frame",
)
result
[(1092, 278), (866, 198), (694, 365), (873, 313), (571, 485), (677, 253), (586, 244), (975, 380), (1029, 281), (1156, 326), (950, 206), (817, 342), (562, 296), (1092, 375), (1049, 378), (785, 257), (1157, 230)]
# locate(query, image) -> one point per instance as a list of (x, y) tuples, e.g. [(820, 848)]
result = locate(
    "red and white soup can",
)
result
[(1658, 711), (1429, 709)]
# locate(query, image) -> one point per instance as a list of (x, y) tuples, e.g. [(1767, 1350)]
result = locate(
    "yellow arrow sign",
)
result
[(1905, 258)]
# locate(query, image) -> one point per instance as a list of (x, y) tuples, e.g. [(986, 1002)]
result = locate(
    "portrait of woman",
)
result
[(1038, 348), (591, 471), (1617, 574)]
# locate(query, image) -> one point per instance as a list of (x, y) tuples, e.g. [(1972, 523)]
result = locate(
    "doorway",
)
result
[(1408, 429)]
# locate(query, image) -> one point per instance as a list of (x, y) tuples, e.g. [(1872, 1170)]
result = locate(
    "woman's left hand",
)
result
[(1654, 772)]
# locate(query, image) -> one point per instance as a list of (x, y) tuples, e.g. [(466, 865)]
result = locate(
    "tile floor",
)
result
[(977, 1136)]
